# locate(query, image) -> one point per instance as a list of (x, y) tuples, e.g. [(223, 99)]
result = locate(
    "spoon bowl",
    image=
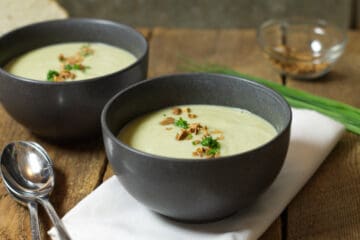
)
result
[(27, 169), (28, 173)]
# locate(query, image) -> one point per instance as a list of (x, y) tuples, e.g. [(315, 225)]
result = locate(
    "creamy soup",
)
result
[(197, 131), (70, 61)]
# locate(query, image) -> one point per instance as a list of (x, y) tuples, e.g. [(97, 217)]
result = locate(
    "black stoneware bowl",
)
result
[(67, 110), (200, 189)]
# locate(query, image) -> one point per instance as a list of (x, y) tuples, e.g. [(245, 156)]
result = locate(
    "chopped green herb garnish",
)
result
[(51, 75), (182, 123), (213, 151), (164, 115), (79, 67), (190, 136), (210, 142), (196, 142)]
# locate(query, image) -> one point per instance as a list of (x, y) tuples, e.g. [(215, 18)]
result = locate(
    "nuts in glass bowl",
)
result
[(301, 48)]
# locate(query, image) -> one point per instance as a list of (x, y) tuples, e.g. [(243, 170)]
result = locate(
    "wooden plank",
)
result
[(273, 232), (235, 48), (328, 206)]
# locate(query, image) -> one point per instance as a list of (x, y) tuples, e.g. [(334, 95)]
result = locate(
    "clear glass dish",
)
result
[(300, 48)]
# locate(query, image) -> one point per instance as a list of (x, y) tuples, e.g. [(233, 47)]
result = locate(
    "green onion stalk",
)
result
[(346, 114)]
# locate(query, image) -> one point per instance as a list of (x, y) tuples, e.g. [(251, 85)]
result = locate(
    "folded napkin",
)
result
[(111, 213)]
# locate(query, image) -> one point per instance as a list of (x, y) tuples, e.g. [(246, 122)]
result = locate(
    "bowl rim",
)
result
[(108, 132), (340, 45), (83, 21)]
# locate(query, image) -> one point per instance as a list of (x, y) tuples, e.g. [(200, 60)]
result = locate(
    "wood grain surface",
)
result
[(326, 208)]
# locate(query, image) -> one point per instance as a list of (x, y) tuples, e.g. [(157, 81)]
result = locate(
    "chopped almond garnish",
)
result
[(195, 128), (168, 128), (86, 50), (74, 59), (199, 151), (221, 137), (196, 142), (167, 121), (195, 154), (63, 75), (216, 132), (187, 110), (206, 133), (190, 115), (61, 58), (176, 111), (181, 135)]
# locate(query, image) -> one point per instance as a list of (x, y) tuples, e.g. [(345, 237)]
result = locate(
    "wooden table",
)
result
[(327, 208)]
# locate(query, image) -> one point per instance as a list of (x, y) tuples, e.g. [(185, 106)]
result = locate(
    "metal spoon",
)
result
[(28, 173), (33, 209)]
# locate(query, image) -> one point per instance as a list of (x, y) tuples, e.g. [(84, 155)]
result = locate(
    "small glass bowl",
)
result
[(299, 48)]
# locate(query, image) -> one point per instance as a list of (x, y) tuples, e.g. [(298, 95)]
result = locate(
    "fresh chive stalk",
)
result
[(346, 114)]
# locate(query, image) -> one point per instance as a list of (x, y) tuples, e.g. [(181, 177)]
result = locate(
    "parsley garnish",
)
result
[(213, 151), (211, 143), (79, 67), (182, 123), (51, 74)]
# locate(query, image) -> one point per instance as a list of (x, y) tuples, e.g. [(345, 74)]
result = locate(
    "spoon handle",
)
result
[(34, 220), (58, 224)]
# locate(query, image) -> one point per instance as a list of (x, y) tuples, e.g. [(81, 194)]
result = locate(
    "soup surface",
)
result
[(70, 61), (197, 131)]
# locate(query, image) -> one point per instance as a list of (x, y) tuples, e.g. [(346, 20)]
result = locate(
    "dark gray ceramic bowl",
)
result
[(196, 190), (67, 110)]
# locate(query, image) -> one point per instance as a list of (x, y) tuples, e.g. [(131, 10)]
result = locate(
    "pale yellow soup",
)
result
[(236, 131), (105, 59)]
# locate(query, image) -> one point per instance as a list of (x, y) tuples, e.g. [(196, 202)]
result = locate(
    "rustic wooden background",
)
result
[(213, 13), (326, 209)]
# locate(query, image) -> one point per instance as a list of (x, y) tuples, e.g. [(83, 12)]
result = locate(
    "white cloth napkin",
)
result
[(111, 213)]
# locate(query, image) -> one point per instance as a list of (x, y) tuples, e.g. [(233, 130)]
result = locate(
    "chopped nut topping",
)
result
[(199, 151), (77, 59), (190, 115), (208, 147), (167, 121), (176, 111), (195, 154), (181, 135), (63, 75), (216, 132), (61, 58), (206, 133), (221, 137), (86, 50), (195, 128), (68, 64)]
